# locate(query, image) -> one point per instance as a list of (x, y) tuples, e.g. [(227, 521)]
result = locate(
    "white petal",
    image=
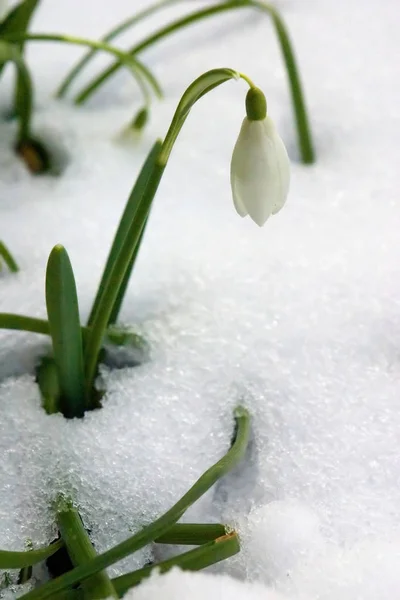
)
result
[(237, 202), (260, 170)]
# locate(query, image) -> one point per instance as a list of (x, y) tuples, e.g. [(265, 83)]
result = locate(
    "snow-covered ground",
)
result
[(299, 320)]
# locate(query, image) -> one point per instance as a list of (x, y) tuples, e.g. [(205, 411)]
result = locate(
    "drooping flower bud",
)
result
[(260, 167)]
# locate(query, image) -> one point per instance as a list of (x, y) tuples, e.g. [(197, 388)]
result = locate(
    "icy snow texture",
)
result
[(299, 320), (199, 586)]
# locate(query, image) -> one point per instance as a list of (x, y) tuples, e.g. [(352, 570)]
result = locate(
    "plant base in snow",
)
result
[(215, 542)]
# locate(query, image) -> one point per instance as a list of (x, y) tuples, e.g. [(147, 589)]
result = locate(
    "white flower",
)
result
[(260, 170)]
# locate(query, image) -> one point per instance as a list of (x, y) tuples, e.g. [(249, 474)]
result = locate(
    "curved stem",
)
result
[(147, 12), (160, 525), (130, 230), (302, 121), (139, 70)]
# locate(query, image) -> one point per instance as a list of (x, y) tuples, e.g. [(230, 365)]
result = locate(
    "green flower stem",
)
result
[(65, 331), (130, 231), (128, 23), (200, 558), (81, 552), (138, 69), (24, 93), (20, 560), (160, 525), (8, 258), (302, 121), (191, 534)]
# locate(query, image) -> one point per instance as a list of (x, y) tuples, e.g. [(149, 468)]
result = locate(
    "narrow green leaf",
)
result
[(47, 378), (24, 93), (81, 551), (118, 336), (20, 560), (160, 525), (128, 238), (296, 89), (195, 560), (65, 331), (140, 16), (192, 534), (138, 69), (8, 258), (18, 19), (124, 225)]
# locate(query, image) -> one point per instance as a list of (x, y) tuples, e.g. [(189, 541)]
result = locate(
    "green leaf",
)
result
[(200, 558), (148, 11), (18, 19), (47, 378), (65, 331), (125, 243), (287, 50), (192, 534), (24, 91), (81, 551), (138, 69), (123, 228), (201, 86), (8, 258), (20, 560)]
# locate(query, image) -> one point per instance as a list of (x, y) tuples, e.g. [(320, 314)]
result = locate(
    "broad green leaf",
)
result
[(65, 331)]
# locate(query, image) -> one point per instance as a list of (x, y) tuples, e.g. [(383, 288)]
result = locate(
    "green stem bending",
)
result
[(20, 560), (139, 70), (81, 552), (116, 31), (129, 234), (160, 525), (8, 258), (200, 558), (302, 121)]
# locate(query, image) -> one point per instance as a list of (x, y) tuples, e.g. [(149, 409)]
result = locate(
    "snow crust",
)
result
[(299, 321)]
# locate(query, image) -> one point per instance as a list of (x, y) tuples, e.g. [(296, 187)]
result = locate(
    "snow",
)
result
[(299, 320), (198, 586)]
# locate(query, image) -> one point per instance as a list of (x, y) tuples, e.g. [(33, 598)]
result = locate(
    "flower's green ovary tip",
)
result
[(256, 104)]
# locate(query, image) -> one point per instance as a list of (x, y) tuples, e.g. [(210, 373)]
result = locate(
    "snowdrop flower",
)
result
[(260, 167)]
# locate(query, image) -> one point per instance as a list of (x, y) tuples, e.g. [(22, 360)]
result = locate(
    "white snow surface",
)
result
[(299, 321)]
